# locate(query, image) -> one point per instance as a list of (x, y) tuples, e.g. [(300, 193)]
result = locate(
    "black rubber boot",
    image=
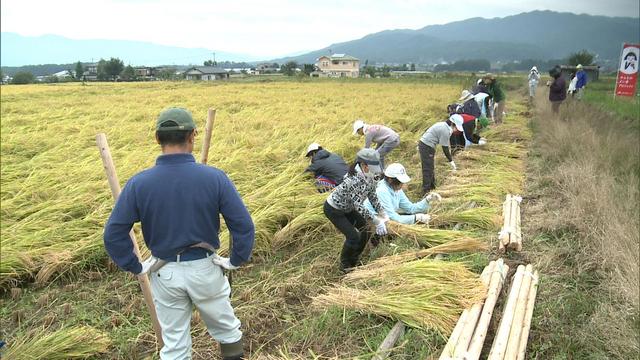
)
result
[(233, 351), (348, 258)]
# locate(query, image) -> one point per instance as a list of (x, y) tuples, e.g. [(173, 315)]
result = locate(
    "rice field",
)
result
[(55, 200)]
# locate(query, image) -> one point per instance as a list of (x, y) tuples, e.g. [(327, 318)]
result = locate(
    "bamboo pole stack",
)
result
[(511, 338), (468, 336), (510, 236)]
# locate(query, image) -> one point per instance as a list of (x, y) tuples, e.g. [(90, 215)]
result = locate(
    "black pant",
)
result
[(427, 157), (352, 225)]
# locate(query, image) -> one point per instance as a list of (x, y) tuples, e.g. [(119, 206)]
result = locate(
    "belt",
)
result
[(190, 254)]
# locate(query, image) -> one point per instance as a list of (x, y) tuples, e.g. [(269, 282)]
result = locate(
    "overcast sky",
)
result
[(267, 28)]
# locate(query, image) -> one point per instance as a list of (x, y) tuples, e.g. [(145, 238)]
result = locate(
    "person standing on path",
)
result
[(437, 134), (179, 202), (346, 210), (534, 78), (557, 90), (497, 95), (581, 83), (385, 138)]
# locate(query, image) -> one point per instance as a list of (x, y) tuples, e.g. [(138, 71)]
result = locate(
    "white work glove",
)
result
[(453, 166), (433, 196), (147, 264), (482, 141), (423, 218), (223, 262), (381, 228)]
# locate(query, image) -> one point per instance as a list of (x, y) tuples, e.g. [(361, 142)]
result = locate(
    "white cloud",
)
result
[(261, 28)]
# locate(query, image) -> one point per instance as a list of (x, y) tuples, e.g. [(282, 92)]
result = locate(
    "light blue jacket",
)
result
[(393, 201)]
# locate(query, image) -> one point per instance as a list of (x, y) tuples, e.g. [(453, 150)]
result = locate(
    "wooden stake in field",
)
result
[(114, 184), (211, 117)]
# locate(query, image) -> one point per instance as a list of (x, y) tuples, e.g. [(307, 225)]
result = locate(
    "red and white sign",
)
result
[(628, 72)]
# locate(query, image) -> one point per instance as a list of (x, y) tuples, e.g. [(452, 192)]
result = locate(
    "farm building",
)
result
[(90, 71), (337, 65), (145, 72), (206, 73)]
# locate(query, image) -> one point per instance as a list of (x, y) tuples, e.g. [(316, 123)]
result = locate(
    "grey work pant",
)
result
[(177, 287), (427, 158), (385, 148)]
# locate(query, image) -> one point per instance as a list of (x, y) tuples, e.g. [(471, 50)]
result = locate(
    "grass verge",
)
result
[(581, 214)]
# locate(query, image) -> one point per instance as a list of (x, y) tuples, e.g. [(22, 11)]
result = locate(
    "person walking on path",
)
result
[(534, 78), (385, 138), (557, 90), (494, 89), (329, 169), (393, 199), (581, 83), (179, 203), (437, 134), (346, 210)]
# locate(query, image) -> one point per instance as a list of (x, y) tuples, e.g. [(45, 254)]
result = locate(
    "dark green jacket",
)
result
[(495, 91)]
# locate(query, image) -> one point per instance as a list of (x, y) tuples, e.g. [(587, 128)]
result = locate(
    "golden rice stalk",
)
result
[(427, 237), (461, 245), (484, 218), (424, 293), (71, 343)]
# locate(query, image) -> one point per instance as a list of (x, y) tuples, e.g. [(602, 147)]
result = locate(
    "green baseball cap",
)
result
[(181, 117)]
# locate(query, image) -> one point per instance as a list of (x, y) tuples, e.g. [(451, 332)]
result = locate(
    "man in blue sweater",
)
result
[(179, 203), (581, 75)]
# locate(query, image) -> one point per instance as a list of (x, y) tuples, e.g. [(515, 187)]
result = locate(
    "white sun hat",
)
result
[(357, 125), (466, 95), (457, 120), (313, 147), (397, 171)]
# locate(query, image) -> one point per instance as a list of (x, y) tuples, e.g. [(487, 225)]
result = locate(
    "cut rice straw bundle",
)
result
[(481, 217), (71, 343), (462, 245), (427, 237), (425, 293)]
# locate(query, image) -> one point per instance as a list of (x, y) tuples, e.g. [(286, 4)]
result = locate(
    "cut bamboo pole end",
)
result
[(495, 287), (453, 339), (531, 300), (502, 336), (519, 314), (472, 317)]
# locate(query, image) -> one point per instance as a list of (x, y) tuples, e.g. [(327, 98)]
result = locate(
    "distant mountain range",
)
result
[(18, 50), (532, 35)]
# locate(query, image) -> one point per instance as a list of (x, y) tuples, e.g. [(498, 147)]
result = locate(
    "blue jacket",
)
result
[(179, 203), (582, 79), (393, 201)]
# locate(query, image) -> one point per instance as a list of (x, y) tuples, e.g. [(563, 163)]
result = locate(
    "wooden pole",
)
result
[(114, 184), (503, 239), (495, 286), (389, 341), (518, 316), (211, 117), (447, 353), (502, 335), (472, 317), (531, 301)]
